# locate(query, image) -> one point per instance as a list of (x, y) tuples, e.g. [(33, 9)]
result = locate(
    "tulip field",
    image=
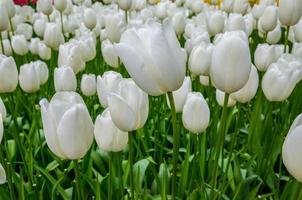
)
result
[(150, 99)]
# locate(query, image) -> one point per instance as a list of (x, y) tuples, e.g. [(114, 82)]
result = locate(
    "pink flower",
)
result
[(24, 2)]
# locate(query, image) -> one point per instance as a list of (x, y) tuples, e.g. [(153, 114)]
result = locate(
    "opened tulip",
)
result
[(20, 45), (106, 84), (107, 135), (129, 106), (231, 62), (292, 149), (65, 79), (281, 78), (159, 64), (8, 74), (180, 95), (89, 18), (109, 54), (290, 12), (196, 113), (200, 59), (68, 127), (88, 84), (248, 92)]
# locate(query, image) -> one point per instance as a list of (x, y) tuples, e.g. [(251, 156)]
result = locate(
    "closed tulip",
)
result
[(2, 175), (107, 135), (281, 78), (34, 46), (10, 8), (235, 22), (290, 12), (268, 21), (292, 149), (124, 4), (3, 18), (65, 79), (264, 56), (19, 45), (196, 113), (231, 62), (44, 51), (60, 5), (89, 18), (215, 23), (179, 23), (106, 84), (114, 26), (88, 84), (129, 106), (248, 92), (297, 29), (24, 29), (68, 128), (258, 10), (39, 27), (45, 6), (200, 59), (109, 54), (29, 78), (220, 95), (70, 55), (42, 70), (240, 6), (180, 95), (52, 35), (8, 74), (159, 64), (88, 48), (274, 36)]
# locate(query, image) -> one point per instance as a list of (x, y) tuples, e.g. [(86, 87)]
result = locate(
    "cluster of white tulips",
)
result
[(116, 86)]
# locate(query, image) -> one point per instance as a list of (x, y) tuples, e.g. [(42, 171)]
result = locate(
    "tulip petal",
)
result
[(75, 132)]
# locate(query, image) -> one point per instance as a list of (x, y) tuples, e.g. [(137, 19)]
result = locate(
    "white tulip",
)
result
[(297, 50), (159, 64), (129, 106), (65, 79), (42, 70), (180, 95), (274, 36), (107, 135), (240, 6), (235, 22), (89, 18), (44, 51), (248, 92), (106, 84), (8, 51), (10, 8), (204, 80), (68, 128), (53, 35), (297, 29), (200, 59), (258, 10), (220, 95), (39, 27), (268, 21), (114, 26), (196, 113), (60, 5), (281, 78), (45, 6), (292, 149), (215, 23), (109, 54), (290, 11), (88, 84), (2, 175), (3, 18), (25, 29), (179, 23), (231, 62), (19, 44), (264, 56), (124, 4), (8, 74), (34, 46), (29, 78)]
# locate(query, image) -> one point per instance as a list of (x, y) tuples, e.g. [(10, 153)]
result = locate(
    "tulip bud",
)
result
[(290, 11), (292, 149), (281, 78), (65, 79), (231, 62), (196, 113), (88, 84), (268, 21), (68, 128), (159, 67), (70, 55), (200, 59), (220, 99), (107, 135), (264, 56), (19, 45), (45, 6), (215, 23), (8, 74), (109, 54), (129, 106), (53, 35), (106, 84), (60, 5), (248, 92), (89, 18), (29, 78), (274, 36), (44, 51), (179, 23), (3, 18), (235, 22), (180, 95), (2, 175)]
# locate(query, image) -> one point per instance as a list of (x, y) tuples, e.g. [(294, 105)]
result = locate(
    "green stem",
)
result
[(220, 144), (126, 16), (11, 25), (131, 164), (61, 17), (1, 42), (176, 136), (77, 177), (110, 175), (286, 39)]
